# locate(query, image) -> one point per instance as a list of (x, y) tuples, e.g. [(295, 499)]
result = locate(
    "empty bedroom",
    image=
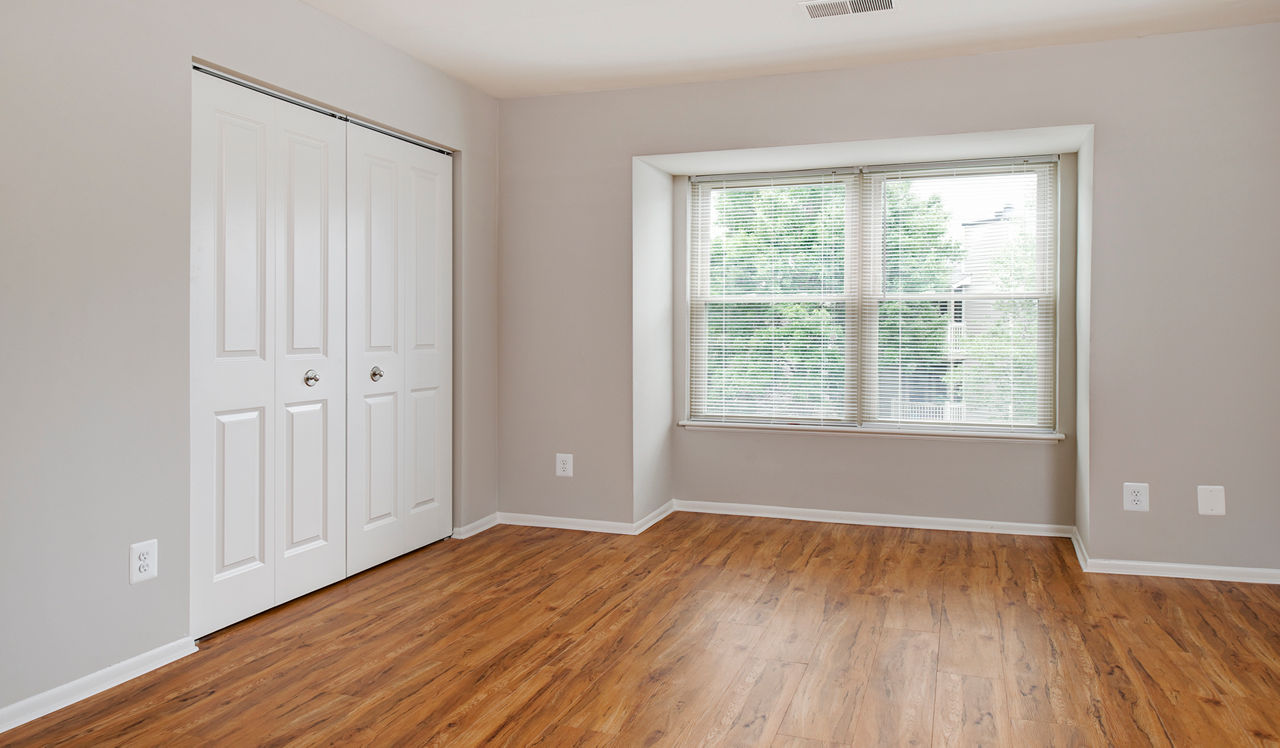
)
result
[(716, 372)]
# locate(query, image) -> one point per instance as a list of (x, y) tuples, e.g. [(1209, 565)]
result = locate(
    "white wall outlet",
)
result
[(1137, 497), (564, 466), (144, 561), (1212, 500)]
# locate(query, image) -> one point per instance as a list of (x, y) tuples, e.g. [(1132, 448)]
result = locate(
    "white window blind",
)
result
[(913, 297)]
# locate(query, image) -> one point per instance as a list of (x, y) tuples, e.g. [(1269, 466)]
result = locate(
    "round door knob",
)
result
[(375, 373), (310, 378)]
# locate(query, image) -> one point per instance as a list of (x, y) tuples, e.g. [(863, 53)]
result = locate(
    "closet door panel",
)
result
[(375, 454), (425, 449), (311, 356), (380, 240), (233, 334), (399, 323), (429, 229), (306, 451), (241, 241), (307, 211), (268, 352), (381, 414), (240, 492)]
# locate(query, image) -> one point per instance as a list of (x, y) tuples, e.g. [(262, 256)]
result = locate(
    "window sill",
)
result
[(1034, 437)]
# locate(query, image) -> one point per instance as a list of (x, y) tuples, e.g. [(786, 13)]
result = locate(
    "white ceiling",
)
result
[(512, 48)]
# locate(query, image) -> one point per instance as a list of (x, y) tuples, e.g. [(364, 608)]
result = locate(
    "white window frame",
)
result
[(856, 374)]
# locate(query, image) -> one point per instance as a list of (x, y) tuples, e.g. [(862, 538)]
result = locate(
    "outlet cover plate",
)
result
[(1212, 500), (564, 465), (144, 561), (1137, 497)]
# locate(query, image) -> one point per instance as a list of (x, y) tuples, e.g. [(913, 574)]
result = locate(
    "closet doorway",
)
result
[(321, 350)]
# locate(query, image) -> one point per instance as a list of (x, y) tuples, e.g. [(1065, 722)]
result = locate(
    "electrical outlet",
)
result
[(144, 561), (564, 466), (1137, 497), (1212, 500)]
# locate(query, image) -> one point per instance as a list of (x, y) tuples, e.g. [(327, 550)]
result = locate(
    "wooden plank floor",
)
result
[(721, 630)]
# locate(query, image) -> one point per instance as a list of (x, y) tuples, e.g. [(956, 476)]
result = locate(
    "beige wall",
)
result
[(652, 349), (94, 286), (1179, 387)]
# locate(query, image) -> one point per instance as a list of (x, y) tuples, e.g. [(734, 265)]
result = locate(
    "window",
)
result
[(916, 297)]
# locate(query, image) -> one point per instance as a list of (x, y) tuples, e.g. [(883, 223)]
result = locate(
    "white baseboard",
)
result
[(567, 523), (587, 525), (1092, 565), (564, 523), (761, 510), (655, 517), (866, 518), (475, 528), (82, 688), (1077, 542), (1168, 569)]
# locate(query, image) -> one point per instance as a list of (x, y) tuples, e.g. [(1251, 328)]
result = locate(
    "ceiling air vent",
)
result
[(828, 8)]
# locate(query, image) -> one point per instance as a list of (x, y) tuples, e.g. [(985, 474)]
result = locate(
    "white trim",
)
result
[(781, 512), (475, 528), (1211, 572), (587, 525), (918, 149), (656, 516), (566, 523), (681, 225), (882, 520), (1087, 564), (1077, 542), (82, 688), (1034, 437)]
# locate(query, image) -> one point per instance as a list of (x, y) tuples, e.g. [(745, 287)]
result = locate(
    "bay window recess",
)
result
[(919, 297)]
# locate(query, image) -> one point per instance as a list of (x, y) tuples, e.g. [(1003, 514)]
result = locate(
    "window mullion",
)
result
[(868, 293)]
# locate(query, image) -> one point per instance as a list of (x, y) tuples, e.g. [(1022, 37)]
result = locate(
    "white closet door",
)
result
[(233, 336), (311, 354), (267, 306), (399, 316)]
